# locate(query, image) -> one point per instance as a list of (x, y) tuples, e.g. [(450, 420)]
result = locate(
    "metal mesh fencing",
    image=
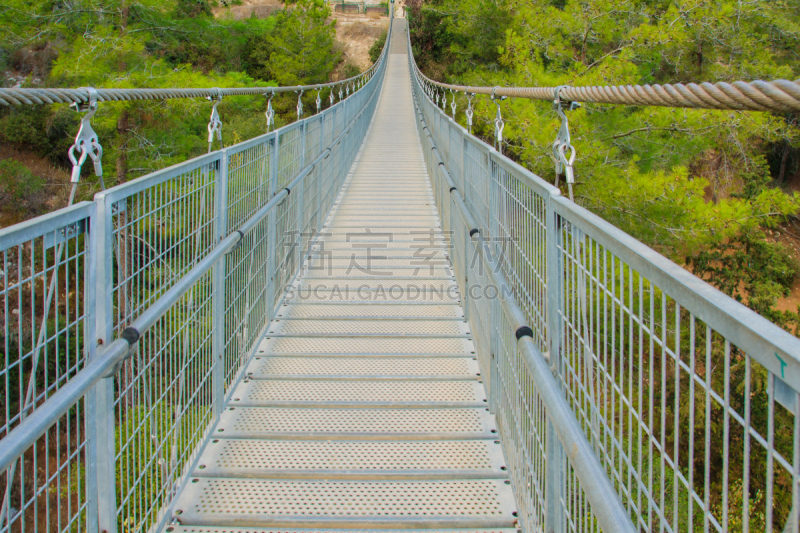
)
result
[(75, 281), (687, 400), (44, 274)]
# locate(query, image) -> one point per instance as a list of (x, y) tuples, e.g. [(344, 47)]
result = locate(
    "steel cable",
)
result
[(779, 95), (34, 96)]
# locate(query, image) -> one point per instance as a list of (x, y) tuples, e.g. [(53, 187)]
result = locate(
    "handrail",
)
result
[(577, 242), (108, 360), (611, 514), (777, 95)]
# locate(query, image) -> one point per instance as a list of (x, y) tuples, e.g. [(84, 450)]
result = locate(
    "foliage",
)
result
[(377, 47), (350, 70), (300, 50), (682, 180), (148, 43), (753, 270), (20, 189)]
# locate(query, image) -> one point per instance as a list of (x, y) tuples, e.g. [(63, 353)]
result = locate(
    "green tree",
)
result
[(300, 50)]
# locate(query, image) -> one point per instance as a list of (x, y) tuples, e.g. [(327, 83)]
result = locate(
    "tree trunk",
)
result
[(784, 159), (122, 148)]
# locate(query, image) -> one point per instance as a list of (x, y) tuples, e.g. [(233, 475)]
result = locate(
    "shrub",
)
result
[(20, 189)]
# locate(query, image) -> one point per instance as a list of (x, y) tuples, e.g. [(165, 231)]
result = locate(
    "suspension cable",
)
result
[(777, 95), (81, 96)]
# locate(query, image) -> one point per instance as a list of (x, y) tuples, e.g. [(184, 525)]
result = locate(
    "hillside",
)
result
[(713, 190), (154, 43)]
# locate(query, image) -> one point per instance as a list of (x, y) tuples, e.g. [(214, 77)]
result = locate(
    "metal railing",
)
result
[(685, 401), (184, 268)]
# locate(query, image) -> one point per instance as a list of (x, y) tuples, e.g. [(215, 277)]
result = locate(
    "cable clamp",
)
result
[(469, 111), (300, 105), (214, 123), (86, 141), (499, 124), (270, 113), (563, 144)]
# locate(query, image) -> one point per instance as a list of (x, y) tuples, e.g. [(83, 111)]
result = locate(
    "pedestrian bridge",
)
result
[(371, 320)]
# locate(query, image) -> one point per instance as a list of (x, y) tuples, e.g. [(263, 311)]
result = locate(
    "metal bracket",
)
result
[(453, 103), (300, 105), (499, 124), (562, 143), (341, 93), (331, 97), (469, 111), (319, 100), (214, 123), (86, 141), (270, 113)]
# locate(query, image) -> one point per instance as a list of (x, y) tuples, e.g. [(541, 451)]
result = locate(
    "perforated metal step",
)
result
[(365, 271), (411, 287), (365, 460), (369, 327), (370, 394), (364, 346), (222, 529), (349, 424), (357, 290), (243, 502), (453, 368), (367, 310), (363, 408)]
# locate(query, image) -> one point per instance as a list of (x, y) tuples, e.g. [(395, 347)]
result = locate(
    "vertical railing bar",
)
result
[(218, 295), (101, 413)]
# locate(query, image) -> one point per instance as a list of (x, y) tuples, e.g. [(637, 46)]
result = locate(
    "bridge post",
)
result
[(101, 429), (218, 283), (271, 227), (300, 201), (494, 201), (320, 188), (556, 465)]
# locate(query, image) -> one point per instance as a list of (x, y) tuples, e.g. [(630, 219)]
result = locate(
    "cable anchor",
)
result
[(300, 105), (453, 103), (214, 123), (270, 113), (331, 97), (319, 100), (341, 92), (86, 140), (562, 144), (499, 124), (469, 111)]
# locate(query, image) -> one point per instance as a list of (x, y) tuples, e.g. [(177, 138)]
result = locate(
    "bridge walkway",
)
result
[(364, 406)]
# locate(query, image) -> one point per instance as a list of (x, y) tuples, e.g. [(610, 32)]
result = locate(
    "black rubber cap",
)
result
[(131, 335), (453, 189), (524, 331), (473, 231), (288, 191)]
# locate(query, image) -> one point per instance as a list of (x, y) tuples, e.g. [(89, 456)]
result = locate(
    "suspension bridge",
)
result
[(370, 319)]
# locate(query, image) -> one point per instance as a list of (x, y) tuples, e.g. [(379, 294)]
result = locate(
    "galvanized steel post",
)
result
[(218, 297), (556, 467), (100, 401), (271, 227)]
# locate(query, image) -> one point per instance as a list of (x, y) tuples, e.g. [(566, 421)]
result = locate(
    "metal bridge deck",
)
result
[(363, 408)]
